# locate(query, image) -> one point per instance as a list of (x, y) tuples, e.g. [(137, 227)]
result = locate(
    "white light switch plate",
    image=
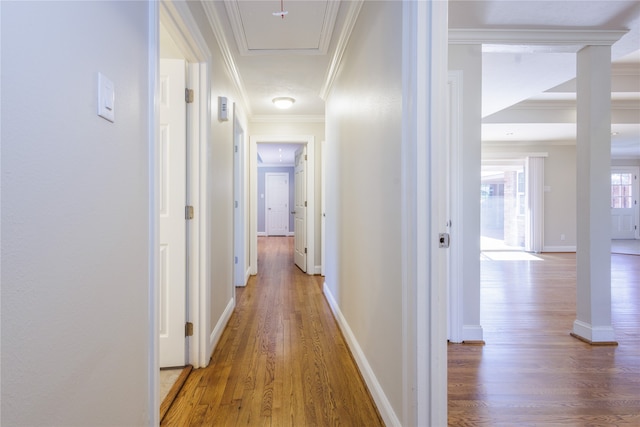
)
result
[(106, 98)]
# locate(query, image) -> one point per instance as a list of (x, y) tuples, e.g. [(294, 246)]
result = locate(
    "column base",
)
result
[(594, 335)]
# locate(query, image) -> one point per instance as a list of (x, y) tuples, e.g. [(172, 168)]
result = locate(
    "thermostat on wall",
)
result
[(223, 110)]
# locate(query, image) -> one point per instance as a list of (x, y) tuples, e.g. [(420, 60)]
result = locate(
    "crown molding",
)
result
[(216, 27), (341, 46), (287, 119), (544, 37)]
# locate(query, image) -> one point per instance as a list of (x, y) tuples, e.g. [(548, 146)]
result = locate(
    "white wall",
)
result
[(75, 215), (363, 200)]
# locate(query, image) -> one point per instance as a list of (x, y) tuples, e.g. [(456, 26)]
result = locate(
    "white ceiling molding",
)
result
[(542, 37), (239, 27), (350, 22), (216, 27), (287, 119)]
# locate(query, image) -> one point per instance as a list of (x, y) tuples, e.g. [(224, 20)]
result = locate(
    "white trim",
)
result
[(382, 402), (181, 25), (239, 193), (456, 293), (222, 323), (288, 118), (232, 68), (558, 249), (262, 233), (424, 320), (254, 140), (351, 16), (546, 37), (594, 334), (511, 155), (437, 55), (154, 223), (472, 333), (276, 165)]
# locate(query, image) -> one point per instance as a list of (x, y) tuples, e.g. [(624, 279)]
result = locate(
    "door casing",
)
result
[(309, 141)]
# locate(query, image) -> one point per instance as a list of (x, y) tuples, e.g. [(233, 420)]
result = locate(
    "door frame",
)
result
[(240, 270), (636, 193), (309, 141), (181, 25)]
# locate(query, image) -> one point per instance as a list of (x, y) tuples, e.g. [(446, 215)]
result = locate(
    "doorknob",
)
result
[(293, 212)]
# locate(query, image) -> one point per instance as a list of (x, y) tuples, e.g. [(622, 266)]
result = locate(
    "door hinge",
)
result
[(305, 250), (188, 96), (188, 329), (305, 203), (305, 157), (188, 212), (236, 148)]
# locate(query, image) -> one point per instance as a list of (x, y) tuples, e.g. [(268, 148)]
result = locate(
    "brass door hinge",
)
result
[(188, 329), (188, 96), (188, 212)]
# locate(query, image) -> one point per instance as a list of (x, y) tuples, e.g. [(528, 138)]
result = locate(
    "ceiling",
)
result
[(528, 90)]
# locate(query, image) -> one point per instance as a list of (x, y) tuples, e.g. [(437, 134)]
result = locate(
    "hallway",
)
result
[(281, 360)]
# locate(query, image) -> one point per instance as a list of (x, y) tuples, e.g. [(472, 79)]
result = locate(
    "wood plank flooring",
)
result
[(531, 372), (281, 360)]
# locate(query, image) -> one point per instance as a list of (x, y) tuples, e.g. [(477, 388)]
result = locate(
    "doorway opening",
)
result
[(503, 207), (264, 158)]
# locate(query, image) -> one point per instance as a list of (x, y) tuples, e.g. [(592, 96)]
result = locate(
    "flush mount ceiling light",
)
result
[(283, 102)]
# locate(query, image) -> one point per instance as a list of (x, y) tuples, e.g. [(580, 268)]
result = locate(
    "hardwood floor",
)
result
[(281, 360), (531, 372)]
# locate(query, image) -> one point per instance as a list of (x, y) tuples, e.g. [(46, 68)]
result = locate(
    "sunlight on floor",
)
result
[(508, 256)]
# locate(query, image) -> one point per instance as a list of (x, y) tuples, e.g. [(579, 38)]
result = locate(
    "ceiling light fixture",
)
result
[(282, 11), (283, 102)]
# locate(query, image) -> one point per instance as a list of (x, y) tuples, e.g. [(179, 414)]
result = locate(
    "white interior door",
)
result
[(277, 204), (624, 203), (173, 169), (300, 212)]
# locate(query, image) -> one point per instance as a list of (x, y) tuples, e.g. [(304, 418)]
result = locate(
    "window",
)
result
[(621, 190), (521, 193)]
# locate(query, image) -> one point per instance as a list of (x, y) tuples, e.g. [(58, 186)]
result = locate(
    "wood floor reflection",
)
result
[(281, 360), (531, 372)]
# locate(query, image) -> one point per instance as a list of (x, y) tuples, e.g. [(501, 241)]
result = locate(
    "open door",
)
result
[(300, 212), (172, 183)]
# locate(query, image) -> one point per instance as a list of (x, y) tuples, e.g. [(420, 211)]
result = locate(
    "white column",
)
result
[(593, 322)]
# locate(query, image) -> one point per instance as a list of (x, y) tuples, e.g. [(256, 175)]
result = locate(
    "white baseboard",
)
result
[(594, 334), (264, 234), (472, 333), (220, 325), (382, 402), (317, 269), (558, 249)]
